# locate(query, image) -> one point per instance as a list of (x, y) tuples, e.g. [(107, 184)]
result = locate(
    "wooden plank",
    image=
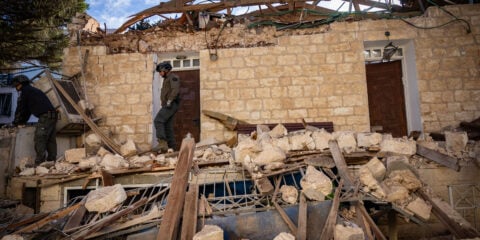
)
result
[(328, 228), (373, 225), (154, 213), (340, 163), (457, 229), (87, 119), (438, 157), (302, 219), (76, 219), (176, 197), (190, 213), (264, 186), (392, 225), (107, 220), (62, 213), (288, 221), (29, 220)]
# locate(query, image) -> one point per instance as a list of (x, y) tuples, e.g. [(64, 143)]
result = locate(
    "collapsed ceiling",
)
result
[(282, 14)]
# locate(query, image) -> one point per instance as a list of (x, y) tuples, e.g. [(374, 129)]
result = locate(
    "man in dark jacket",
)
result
[(33, 101), (170, 102)]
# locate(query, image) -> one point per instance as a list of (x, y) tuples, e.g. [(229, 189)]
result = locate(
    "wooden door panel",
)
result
[(386, 99), (187, 119)]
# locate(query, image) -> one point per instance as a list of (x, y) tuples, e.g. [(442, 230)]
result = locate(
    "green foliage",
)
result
[(35, 29)]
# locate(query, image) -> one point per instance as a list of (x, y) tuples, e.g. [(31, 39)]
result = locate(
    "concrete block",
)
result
[(284, 236), (289, 194), (321, 139), (348, 233), (346, 141), (209, 232), (365, 140), (455, 141), (376, 167), (420, 208), (398, 146), (106, 198), (128, 148), (315, 181), (74, 155)]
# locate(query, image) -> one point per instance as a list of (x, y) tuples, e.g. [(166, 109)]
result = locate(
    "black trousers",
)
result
[(45, 139), (164, 124)]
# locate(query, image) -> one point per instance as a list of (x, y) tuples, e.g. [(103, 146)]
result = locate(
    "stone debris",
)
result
[(106, 198), (128, 148), (110, 161), (289, 194), (346, 141), (13, 237), (284, 236), (315, 184), (278, 131), (74, 155), (209, 232), (27, 172), (366, 140), (420, 208), (301, 140), (455, 141), (398, 146), (321, 138), (348, 233)]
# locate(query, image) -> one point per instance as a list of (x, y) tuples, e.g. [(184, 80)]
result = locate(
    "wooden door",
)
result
[(386, 98), (187, 119)]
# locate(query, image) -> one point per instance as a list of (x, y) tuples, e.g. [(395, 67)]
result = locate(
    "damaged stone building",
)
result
[(386, 107)]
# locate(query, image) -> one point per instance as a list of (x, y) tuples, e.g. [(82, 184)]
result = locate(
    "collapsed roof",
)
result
[(285, 14)]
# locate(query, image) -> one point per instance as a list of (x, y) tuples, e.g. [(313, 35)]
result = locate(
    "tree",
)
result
[(35, 30)]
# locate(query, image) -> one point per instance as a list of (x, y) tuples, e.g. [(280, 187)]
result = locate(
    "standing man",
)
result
[(170, 99), (33, 101)]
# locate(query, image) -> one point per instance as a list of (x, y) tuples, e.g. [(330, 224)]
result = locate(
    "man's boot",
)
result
[(161, 147)]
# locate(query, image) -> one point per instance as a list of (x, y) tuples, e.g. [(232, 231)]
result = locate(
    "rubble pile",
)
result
[(345, 168)]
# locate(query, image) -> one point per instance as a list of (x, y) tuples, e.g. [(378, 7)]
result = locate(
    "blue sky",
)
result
[(115, 12)]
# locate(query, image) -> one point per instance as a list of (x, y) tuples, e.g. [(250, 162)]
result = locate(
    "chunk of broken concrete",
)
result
[(420, 208), (92, 144), (289, 194), (65, 167), (376, 167), (455, 141), (366, 140), (128, 148), (346, 141), (269, 154), (283, 143), (41, 170), (321, 138), (12, 237), (405, 178), (111, 161), (315, 182), (284, 236), (105, 198), (371, 184), (89, 163), (396, 193), (209, 232), (301, 140), (102, 152), (74, 155), (247, 147), (348, 233), (278, 131), (27, 172), (398, 146)]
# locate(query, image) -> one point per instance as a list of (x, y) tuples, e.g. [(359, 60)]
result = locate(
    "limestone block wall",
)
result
[(321, 77), (265, 76), (448, 64), (120, 88)]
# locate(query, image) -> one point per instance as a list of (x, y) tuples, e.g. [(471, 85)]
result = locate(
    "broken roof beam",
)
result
[(438, 157)]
